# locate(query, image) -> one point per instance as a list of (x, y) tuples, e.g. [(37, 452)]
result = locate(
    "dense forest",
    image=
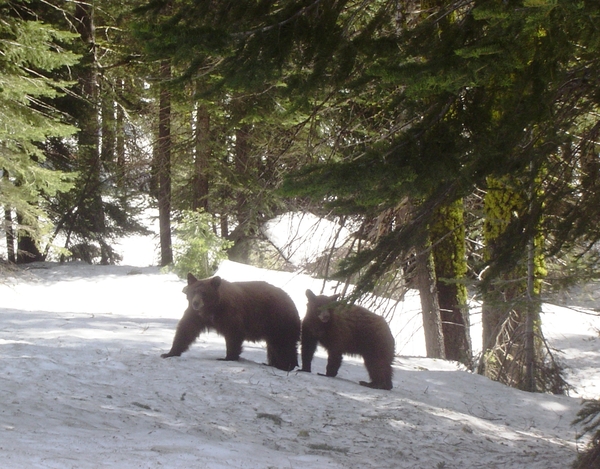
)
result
[(458, 141)]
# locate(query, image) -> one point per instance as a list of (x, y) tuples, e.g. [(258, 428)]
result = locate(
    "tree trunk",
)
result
[(240, 251), (120, 139), (10, 235), (109, 128), (426, 284), (120, 148), (224, 225), (448, 246), (502, 309), (163, 166), (242, 168), (91, 222), (202, 158), (9, 229), (530, 320), (511, 319)]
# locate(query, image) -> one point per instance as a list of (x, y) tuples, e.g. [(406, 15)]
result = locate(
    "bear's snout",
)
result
[(197, 303)]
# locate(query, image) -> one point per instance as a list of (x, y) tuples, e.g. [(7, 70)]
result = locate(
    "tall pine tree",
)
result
[(31, 51)]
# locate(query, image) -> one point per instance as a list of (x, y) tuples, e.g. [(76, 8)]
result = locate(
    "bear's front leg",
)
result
[(188, 329)]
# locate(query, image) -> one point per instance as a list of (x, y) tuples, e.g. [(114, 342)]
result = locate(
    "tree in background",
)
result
[(244, 137), (512, 336), (31, 52), (163, 147), (426, 283), (449, 253), (108, 107), (197, 249), (89, 212), (96, 208)]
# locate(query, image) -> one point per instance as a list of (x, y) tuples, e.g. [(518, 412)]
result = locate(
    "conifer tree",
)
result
[(251, 142), (202, 158), (448, 245), (31, 51), (162, 165), (511, 299), (426, 283), (106, 105)]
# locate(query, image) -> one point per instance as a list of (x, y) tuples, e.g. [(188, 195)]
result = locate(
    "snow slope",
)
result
[(83, 386)]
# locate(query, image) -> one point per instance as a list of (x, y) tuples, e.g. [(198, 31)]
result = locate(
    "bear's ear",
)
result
[(215, 281), (334, 297), (185, 289), (310, 295), (191, 279), (325, 316)]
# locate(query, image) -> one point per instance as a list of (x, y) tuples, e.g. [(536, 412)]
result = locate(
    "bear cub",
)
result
[(240, 311), (351, 330)]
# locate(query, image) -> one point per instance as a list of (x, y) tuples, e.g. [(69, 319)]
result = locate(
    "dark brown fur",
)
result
[(351, 330), (240, 311)]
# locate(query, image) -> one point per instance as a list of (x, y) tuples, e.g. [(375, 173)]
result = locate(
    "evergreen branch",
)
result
[(306, 9)]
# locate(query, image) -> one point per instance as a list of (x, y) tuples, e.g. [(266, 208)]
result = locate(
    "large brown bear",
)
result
[(240, 311), (351, 330)]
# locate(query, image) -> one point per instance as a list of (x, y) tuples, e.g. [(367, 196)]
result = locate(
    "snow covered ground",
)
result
[(82, 385)]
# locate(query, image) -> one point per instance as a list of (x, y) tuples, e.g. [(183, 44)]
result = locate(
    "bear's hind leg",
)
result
[(233, 345), (270, 356), (374, 385), (284, 357), (334, 361), (380, 374)]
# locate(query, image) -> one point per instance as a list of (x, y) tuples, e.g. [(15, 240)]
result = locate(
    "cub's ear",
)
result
[(185, 289), (325, 316), (191, 279), (215, 281), (310, 295)]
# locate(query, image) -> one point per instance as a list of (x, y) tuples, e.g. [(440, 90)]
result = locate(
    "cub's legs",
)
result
[(309, 346)]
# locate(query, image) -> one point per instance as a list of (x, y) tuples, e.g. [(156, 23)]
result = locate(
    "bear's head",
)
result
[(319, 310), (202, 293)]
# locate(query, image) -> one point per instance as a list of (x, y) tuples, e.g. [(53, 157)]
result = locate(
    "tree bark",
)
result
[(530, 320), (9, 229), (163, 166), (10, 235), (242, 167), (202, 158), (109, 128), (90, 214), (511, 305), (120, 143), (432, 322), (448, 247), (240, 252)]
